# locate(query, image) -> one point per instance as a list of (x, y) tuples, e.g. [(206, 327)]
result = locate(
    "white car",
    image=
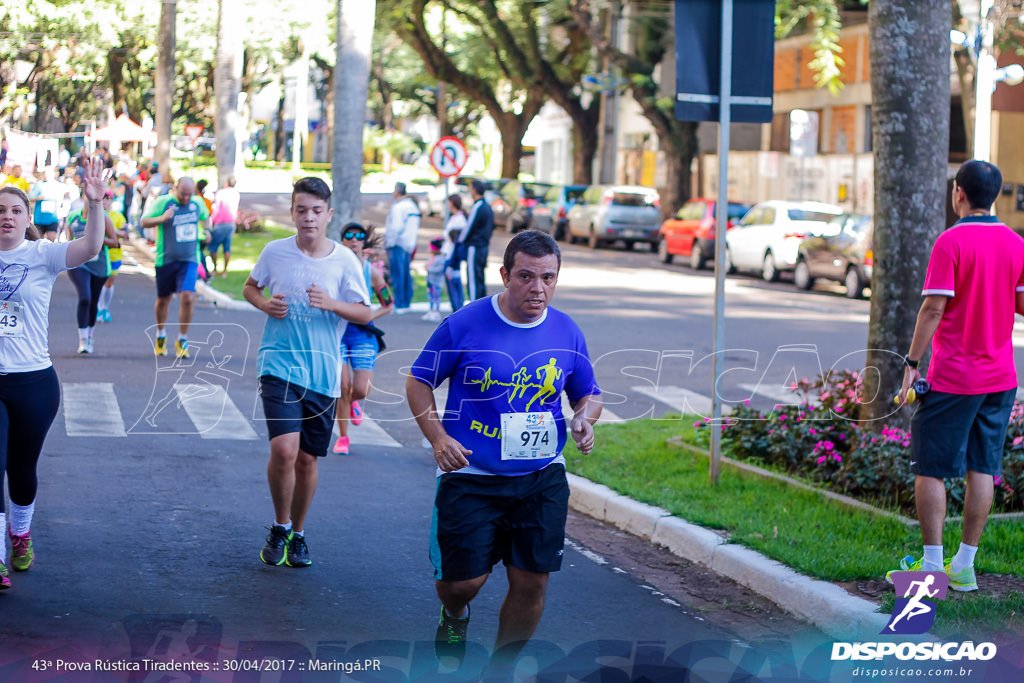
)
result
[(768, 238)]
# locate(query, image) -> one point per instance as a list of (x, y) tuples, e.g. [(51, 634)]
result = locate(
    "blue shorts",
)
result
[(290, 408), (358, 348), (176, 276), (953, 433), (480, 519), (220, 235)]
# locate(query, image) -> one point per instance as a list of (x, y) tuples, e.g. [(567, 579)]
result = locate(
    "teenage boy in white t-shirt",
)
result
[(316, 287)]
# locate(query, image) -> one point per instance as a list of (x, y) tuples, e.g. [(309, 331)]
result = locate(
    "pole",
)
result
[(610, 133), (721, 225), (983, 96)]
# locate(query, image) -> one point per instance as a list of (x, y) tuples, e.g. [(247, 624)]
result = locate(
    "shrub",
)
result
[(820, 439), (249, 221)]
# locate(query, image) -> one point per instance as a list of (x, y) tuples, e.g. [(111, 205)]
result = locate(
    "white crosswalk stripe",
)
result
[(682, 400), (368, 433), (214, 413), (91, 409)]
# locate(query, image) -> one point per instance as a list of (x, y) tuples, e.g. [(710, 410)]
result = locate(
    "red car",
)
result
[(692, 232)]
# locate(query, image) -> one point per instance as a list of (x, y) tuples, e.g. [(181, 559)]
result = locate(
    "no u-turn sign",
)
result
[(448, 156)]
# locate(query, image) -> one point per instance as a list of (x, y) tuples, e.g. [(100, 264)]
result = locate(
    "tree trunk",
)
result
[(279, 136), (351, 87), (228, 80), (584, 149), (165, 83), (910, 122)]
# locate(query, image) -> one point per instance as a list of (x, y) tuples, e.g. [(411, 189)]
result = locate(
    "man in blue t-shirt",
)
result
[(502, 492)]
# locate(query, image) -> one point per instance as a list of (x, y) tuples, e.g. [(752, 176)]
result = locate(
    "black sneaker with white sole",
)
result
[(277, 541)]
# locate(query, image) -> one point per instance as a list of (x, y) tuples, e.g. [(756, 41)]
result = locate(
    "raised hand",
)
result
[(93, 184)]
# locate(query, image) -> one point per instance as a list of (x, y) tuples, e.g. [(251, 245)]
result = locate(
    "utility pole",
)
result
[(983, 95), (610, 93), (165, 83)]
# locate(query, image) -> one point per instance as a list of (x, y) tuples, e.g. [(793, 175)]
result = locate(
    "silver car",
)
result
[(610, 213)]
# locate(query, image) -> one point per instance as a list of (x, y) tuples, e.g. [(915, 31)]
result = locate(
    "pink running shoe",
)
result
[(341, 445), (356, 414), (5, 581), (22, 556)]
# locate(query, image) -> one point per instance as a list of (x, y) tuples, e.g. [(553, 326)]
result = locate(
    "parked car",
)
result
[(435, 197), (558, 200), (523, 197), (769, 236), (691, 232), (842, 252), (606, 213)]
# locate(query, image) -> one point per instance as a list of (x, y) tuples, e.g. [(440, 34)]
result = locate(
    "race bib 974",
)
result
[(528, 436)]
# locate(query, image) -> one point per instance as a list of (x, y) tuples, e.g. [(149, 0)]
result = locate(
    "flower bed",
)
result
[(821, 439)]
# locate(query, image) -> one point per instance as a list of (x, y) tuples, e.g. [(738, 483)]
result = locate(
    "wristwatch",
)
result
[(910, 363)]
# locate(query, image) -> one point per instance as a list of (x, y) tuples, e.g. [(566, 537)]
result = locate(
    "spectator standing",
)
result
[(476, 239), (436, 265), (973, 287), (14, 179), (452, 233), (223, 218), (401, 230)]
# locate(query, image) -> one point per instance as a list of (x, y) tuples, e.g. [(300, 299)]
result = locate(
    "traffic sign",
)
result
[(193, 131), (448, 156)]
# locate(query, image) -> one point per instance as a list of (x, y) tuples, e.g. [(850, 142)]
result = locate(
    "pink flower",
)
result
[(746, 401), (1016, 442), (821, 459), (828, 445), (782, 418), (813, 430)]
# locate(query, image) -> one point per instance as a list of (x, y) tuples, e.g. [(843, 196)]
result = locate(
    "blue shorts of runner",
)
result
[(220, 235), (481, 519), (176, 276), (953, 433), (44, 228), (359, 348), (291, 408)]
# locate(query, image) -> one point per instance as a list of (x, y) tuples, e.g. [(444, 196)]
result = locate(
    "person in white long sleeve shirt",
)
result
[(400, 232)]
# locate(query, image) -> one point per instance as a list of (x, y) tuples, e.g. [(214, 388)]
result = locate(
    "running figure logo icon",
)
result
[(914, 613)]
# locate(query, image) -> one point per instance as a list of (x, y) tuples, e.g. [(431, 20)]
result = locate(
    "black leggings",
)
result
[(88, 287), (28, 405)]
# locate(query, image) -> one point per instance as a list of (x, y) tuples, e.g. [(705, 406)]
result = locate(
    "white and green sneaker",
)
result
[(963, 580)]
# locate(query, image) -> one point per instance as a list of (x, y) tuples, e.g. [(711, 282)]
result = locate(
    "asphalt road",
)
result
[(153, 502)]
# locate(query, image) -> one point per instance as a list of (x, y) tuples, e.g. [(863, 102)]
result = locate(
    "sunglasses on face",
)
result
[(353, 235)]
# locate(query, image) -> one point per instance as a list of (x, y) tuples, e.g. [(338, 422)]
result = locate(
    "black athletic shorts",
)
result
[(291, 408), (481, 519), (953, 433)]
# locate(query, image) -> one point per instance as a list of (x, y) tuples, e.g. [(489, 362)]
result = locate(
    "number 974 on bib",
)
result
[(528, 436)]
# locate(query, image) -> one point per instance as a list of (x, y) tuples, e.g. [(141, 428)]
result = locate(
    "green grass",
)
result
[(246, 248), (801, 529)]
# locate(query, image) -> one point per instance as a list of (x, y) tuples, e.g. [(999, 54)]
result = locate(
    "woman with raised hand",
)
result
[(29, 390)]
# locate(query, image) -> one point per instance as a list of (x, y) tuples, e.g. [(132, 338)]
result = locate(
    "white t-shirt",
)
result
[(27, 274), (402, 224), (304, 347)]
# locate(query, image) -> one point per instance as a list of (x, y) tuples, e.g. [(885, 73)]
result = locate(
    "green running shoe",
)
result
[(963, 580), (22, 556), (450, 637), (277, 540), (907, 564), (298, 552)]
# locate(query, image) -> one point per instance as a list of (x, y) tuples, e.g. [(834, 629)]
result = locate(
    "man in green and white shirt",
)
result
[(180, 218)]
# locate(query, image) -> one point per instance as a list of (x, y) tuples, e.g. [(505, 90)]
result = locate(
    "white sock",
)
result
[(286, 527), (106, 295), (83, 334), (299, 533), (21, 518), (3, 538), (932, 560), (88, 332), (161, 334), (464, 616), (182, 337), (964, 557)]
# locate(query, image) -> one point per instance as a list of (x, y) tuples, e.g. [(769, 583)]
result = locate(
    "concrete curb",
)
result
[(823, 604)]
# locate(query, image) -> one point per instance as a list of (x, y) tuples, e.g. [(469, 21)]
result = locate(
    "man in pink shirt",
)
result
[(974, 284), (223, 217)]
